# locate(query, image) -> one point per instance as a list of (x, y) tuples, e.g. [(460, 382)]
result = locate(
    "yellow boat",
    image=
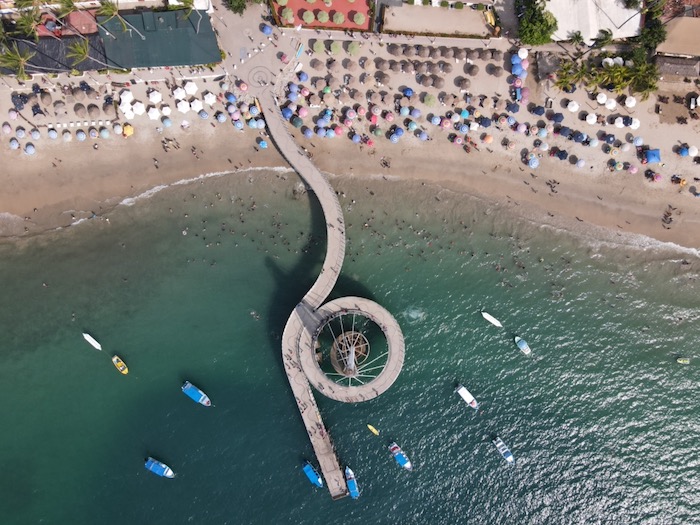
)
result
[(121, 365), (373, 430), (683, 360)]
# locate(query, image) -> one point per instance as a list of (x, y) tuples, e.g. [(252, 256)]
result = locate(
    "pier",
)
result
[(300, 336)]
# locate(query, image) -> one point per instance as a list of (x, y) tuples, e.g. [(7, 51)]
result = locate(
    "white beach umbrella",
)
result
[(190, 87), (522, 53), (573, 106), (155, 97), (607, 62), (619, 61), (601, 98), (179, 93), (125, 107), (619, 123), (210, 98), (474, 126), (544, 146), (138, 108), (196, 105), (630, 102), (611, 104), (126, 96), (626, 147), (692, 151), (153, 113), (183, 106), (129, 115), (635, 123), (591, 118), (165, 110)]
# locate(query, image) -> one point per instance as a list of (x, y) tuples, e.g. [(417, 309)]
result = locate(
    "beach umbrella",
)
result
[(297, 122), (525, 63), (463, 128), (166, 110), (517, 70), (464, 114), (573, 106), (534, 130), (633, 169), (21, 133), (557, 118), (579, 137), (635, 123), (405, 111), (593, 143), (423, 136), (303, 112), (488, 139), (92, 133), (458, 140), (614, 152), (625, 147), (412, 126), (236, 115), (502, 120), (393, 138), (263, 144), (117, 128), (611, 104), (435, 120), (190, 87), (657, 177), (80, 135), (104, 133), (14, 143), (522, 128), (29, 149), (203, 114), (485, 122), (601, 98), (52, 134), (293, 88), (511, 144), (93, 111), (155, 97), (252, 123), (180, 94), (377, 132), (305, 92), (126, 96), (351, 114), (512, 107), (209, 98), (338, 130), (243, 86), (303, 76), (266, 30), (34, 134), (533, 163), (522, 53), (630, 102), (238, 124), (183, 106), (591, 118), (321, 132), (376, 110), (407, 92), (138, 108), (523, 76), (399, 132), (518, 83), (230, 98), (196, 105), (12, 114), (6, 128), (389, 117), (287, 113), (542, 132), (445, 123), (307, 132), (550, 128), (356, 138), (231, 109), (692, 151), (538, 110), (580, 163), (515, 59), (609, 138), (562, 154), (167, 122), (619, 166), (544, 146), (619, 123), (243, 108), (683, 152), (153, 113), (638, 141)]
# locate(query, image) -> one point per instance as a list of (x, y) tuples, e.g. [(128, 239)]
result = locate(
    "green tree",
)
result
[(537, 24), (79, 51), (28, 22), (16, 60), (338, 18), (323, 17), (604, 38), (576, 38), (359, 19), (644, 79), (565, 75), (110, 10), (652, 34)]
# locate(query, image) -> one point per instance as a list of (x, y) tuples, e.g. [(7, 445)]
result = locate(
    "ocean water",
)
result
[(196, 282)]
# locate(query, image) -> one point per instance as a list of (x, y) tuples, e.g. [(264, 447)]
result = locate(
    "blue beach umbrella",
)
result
[(523, 75), (562, 154), (412, 126), (260, 123), (512, 107), (557, 117), (293, 88), (80, 135), (683, 152), (252, 123), (266, 29), (517, 70), (609, 138), (29, 149), (293, 96), (565, 132), (220, 117), (653, 156), (511, 121), (533, 163), (117, 129), (238, 124), (53, 134), (393, 138), (14, 143), (638, 141), (308, 133), (423, 136), (542, 132), (415, 113), (435, 121), (404, 111), (254, 111), (538, 110), (464, 113), (485, 122), (21, 133), (35, 134), (356, 138), (407, 92), (515, 59), (579, 137), (463, 128), (104, 133), (263, 144), (203, 114), (167, 122), (321, 132), (399, 132), (303, 76), (231, 98), (287, 113)]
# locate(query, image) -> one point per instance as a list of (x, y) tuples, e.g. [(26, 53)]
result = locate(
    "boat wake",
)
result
[(414, 315)]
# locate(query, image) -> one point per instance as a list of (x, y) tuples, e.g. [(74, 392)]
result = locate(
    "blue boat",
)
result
[(312, 474), (196, 394), (503, 449), (159, 468), (400, 457), (352, 483)]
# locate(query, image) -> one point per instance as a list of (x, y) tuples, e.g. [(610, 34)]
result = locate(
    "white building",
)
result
[(590, 16)]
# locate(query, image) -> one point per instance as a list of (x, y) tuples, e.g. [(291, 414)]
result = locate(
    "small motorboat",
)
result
[(373, 430), (159, 468), (312, 474), (491, 319), (352, 483), (121, 365), (522, 344), (466, 395), (92, 341), (683, 360), (503, 449), (400, 457), (195, 394)]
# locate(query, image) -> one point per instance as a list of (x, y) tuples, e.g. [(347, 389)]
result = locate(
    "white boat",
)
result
[(522, 344), (92, 341), (503, 449), (491, 319), (466, 395)]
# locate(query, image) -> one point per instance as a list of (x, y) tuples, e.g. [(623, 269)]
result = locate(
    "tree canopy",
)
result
[(537, 24)]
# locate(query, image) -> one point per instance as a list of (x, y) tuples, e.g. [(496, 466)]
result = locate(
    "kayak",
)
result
[(373, 430), (92, 341), (491, 319), (120, 365)]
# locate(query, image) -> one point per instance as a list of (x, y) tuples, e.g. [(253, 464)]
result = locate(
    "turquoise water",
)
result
[(602, 421)]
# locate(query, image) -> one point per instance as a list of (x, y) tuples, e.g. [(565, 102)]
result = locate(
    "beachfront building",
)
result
[(445, 17), (679, 55), (590, 17)]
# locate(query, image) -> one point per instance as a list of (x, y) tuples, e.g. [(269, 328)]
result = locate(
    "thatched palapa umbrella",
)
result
[(394, 49), (408, 67), (344, 98), (438, 82), (80, 111), (350, 65), (320, 84), (409, 51), (464, 83), (473, 70), (450, 100), (109, 110), (446, 67), (434, 53), (498, 72), (461, 54), (433, 68), (448, 52), (367, 64), (395, 66), (333, 83), (422, 68), (423, 52), (79, 94), (317, 65), (358, 95), (45, 98), (381, 78), (426, 81), (485, 54), (382, 65), (404, 102), (497, 55), (333, 66), (93, 111), (375, 98), (314, 100), (474, 54)]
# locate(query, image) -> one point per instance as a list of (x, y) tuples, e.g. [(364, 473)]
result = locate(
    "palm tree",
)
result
[(565, 75), (16, 60), (65, 8), (189, 7), (111, 10), (79, 51), (28, 22), (604, 38), (576, 38)]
